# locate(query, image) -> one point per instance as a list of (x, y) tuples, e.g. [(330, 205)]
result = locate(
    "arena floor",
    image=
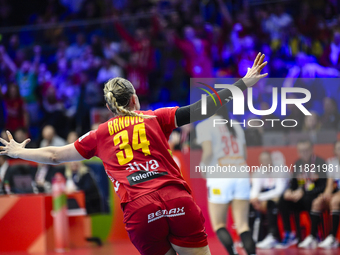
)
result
[(126, 248)]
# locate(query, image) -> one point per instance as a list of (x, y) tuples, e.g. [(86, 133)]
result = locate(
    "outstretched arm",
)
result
[(191, 113), (48, 155)]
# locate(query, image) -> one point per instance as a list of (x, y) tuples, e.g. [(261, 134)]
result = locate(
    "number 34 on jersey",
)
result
[(121, 138)]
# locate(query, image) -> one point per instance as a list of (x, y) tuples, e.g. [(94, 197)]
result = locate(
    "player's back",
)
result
[(136, 153)]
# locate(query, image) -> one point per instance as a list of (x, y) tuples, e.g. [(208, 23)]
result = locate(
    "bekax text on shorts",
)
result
[(165, 213)]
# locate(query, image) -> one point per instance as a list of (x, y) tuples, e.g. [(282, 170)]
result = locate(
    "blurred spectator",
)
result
[(142, 58), (79, 177), (135, 73), (329, 199), (97, 46), (108, 71), (312, 125), (53, 110), (44, 76), (265, 193), (44, 175), (50, 138), (21, 134), (331, 54), (277, 22), (196, 52), (311, 122), (140, 45), (17, 116), (304, 187), (91, 95), (77, 49), (306, 21), (2, 113), (88, 60), (330, 118), (27, 81), (72, 137)]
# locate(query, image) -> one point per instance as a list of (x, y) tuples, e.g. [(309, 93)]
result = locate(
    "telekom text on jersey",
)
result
[(238, 106)]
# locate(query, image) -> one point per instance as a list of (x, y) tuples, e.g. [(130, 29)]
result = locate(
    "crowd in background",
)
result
[(53, 73)]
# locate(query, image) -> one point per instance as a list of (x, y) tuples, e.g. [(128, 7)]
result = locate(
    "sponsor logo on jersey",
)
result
[(150, 165), (165, 213), (143, 176)]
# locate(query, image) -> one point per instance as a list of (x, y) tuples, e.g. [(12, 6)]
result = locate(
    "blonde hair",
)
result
[(118, 92)]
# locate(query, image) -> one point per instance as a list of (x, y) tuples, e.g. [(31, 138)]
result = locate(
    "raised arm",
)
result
[(48, 155), (7, 60), (191, 113), (225, 12), (124, 34)]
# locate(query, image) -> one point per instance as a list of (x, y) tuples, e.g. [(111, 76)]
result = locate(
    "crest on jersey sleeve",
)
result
[(82, 137)]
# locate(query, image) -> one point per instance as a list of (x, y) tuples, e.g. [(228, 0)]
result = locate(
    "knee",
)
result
[(242, 227), (217, 226)]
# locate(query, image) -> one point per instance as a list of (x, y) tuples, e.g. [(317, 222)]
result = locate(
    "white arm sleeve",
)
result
[(255, 188), (280, 186)]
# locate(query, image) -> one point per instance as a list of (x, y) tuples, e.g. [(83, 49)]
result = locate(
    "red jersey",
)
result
[(135, 152)]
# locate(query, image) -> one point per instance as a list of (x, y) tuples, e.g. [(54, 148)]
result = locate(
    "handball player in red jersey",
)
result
[(160, 214)]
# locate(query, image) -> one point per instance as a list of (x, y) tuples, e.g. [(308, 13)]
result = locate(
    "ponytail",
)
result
[(118, 93)]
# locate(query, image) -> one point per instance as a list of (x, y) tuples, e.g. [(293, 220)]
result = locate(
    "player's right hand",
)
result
[(11, 148)]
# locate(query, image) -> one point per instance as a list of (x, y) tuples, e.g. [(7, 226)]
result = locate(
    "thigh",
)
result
[(148, 230), (218, 214), (186, 222)]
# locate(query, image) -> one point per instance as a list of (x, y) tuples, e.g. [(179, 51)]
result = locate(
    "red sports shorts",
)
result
[(168, 215)]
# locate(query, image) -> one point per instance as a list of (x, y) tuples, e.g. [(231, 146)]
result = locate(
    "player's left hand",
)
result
[(11, 148)]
